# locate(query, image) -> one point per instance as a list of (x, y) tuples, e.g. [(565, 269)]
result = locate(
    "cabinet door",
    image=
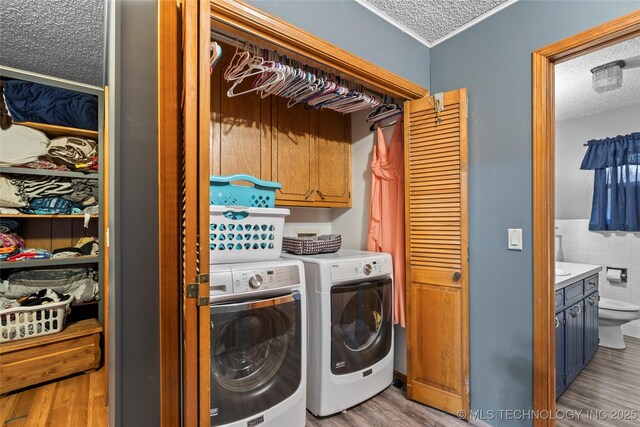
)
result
[(560, 354), (574, 338), (294, 162), (334, 158), (240, 128), (591, 327)]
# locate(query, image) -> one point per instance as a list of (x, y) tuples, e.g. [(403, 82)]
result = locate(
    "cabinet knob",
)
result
[(557, 323), (320, 194), (309, 193), (456, 276)]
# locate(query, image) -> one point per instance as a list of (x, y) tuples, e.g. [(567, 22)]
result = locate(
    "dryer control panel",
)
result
[(236, 279), (370, 267)]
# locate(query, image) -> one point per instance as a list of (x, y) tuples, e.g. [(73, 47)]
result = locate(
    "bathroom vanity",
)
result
[(576, 320)]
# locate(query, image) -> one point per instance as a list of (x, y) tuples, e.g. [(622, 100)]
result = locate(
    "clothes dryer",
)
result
[(350, 303)]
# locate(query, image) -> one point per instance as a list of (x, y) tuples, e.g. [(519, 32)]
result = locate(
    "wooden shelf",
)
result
[(49, 262), (53, 131), (48, 172)]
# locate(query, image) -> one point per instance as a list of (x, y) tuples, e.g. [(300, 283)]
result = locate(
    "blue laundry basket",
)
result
[(261, 195)]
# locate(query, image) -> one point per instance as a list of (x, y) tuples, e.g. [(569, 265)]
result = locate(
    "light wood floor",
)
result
[(611, 384), (389, 408), (77, 401)]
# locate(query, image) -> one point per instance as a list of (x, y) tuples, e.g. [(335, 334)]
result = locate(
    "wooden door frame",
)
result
[(169, 212), (181, 53), (543, 64)]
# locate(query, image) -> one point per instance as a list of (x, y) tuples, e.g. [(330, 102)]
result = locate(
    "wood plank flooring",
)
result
[(389, 408), (609, 384), (77, 401)]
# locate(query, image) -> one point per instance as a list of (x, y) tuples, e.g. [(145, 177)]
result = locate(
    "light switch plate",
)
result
[(514, 236)]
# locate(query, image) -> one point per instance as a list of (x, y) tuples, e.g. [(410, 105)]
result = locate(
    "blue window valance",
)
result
[(616, 189)]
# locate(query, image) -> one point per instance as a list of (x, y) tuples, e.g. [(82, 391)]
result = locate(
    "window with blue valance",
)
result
[(616, 189)]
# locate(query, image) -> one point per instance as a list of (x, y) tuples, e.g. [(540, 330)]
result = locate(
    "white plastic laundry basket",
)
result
[(239, 234), (28, 322)]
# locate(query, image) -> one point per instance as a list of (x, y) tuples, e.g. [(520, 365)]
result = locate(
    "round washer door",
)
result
[(256, 354), (361, 330)]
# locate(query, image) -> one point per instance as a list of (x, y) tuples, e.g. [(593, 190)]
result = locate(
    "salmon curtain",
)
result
[(386, 217)]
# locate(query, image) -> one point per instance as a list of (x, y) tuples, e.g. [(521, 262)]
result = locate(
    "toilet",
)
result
[(612, 314)]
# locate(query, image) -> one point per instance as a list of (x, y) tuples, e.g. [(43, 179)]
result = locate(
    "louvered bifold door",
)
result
[(195, 212), (437, 253)]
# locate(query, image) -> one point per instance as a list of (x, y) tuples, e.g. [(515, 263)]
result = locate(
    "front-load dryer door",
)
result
[(361, 330), (256, 354)]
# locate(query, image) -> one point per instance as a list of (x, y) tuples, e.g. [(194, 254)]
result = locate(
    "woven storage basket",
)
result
[(327, 243), (261, 194), (28, 322), (238, 234)]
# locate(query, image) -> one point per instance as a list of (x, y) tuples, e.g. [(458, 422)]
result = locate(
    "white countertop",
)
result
[(576, 273)]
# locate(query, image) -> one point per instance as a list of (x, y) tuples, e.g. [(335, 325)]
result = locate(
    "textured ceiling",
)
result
[(575, 96), (61, 38), (432, 20)]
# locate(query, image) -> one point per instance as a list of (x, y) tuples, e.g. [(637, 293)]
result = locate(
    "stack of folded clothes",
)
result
[(80, 283), (10, 242)]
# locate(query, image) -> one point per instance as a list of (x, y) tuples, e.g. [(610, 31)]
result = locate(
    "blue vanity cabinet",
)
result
[(574, 340), (576, 308), (590, 326), (560, 354)]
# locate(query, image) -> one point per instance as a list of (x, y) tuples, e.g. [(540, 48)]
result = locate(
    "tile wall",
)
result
[(613, 249)]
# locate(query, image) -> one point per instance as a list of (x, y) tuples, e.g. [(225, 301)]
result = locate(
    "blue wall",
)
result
[(493, 60), (350, 26)]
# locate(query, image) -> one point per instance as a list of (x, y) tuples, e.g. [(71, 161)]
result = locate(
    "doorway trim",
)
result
[(543, 65)]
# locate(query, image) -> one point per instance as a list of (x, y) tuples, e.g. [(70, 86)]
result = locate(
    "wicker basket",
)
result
[(28, 322), (327, 243)]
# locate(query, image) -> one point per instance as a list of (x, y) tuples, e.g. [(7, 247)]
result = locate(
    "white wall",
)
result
[(574, 187), (308, 220), (609, 249)]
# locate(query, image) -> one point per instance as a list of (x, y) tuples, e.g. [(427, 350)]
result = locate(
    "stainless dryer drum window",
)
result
[(361, 325), (255, 356)]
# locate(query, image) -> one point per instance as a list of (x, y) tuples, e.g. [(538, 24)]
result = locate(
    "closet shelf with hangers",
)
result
[(280, 118)]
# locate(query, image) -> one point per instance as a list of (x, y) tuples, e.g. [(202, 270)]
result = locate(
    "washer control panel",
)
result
[(232, 280), (371, 267)]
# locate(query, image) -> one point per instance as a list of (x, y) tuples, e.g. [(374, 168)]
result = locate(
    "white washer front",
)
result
[(258, 344), (350, 357)]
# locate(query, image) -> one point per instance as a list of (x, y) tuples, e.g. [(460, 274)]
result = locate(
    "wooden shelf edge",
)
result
[(74, 216), (16, 170), (5, 265), (55, 130)]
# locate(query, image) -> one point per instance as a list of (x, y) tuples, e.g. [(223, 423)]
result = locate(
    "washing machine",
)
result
[(350, 303), (258, 344)]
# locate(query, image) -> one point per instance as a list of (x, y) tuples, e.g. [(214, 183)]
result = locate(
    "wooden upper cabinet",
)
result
[(311, 156), (240, 129), (334, 158), (293, 152), (308, 151)]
